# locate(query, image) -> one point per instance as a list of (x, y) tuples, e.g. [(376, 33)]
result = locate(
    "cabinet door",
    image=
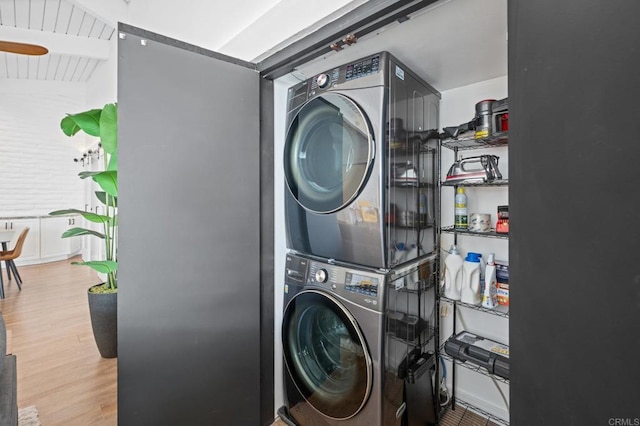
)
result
[(31, 248), (577, 282), (189, 253), (52, 244), (74, 245)]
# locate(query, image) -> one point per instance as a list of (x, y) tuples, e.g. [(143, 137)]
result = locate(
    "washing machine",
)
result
[(333, 347), (361, 164)]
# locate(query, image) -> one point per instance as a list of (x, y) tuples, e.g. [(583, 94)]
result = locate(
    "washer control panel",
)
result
[(296, 270), (361, 287)]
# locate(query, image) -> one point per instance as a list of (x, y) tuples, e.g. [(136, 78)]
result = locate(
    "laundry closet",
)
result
[(475, 69), (468, 52)]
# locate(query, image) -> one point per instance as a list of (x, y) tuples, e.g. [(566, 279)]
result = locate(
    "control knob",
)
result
[(323, 80), (321, 275)]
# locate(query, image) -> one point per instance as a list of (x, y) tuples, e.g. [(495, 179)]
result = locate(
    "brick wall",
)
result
[(37, 171)]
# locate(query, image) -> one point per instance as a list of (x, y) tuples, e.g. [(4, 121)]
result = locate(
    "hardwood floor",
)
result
[(60, 370)]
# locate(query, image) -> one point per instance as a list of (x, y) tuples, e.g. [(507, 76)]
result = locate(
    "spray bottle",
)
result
[(489, 297), (453, 274)]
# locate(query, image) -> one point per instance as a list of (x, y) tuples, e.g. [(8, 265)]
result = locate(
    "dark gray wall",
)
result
[(574, 107), (190, 237)]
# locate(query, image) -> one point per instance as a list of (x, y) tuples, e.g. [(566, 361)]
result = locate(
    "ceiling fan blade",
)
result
[(22, 48)]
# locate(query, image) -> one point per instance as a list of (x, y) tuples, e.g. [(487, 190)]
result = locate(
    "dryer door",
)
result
[(326, 354), (328, 153)]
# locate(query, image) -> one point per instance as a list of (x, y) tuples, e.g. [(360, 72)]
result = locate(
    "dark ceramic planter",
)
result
[(103, 309)]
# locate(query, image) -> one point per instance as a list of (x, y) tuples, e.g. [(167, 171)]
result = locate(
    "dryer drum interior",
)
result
[(328, 153), (326, 355)]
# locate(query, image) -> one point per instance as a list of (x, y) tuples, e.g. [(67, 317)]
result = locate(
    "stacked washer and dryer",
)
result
[(361, 167)]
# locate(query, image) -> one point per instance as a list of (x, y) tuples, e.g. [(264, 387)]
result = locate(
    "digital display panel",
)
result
[(362, 68), (361, 284)]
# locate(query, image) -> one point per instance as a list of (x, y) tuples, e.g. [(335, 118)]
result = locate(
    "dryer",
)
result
[(360, 164), (333, 347)]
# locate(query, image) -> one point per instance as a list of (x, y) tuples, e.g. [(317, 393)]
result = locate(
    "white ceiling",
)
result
[(76, 39), (451, 44)]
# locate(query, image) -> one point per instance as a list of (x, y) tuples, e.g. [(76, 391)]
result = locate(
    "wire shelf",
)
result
[(495, 182), (500, 310), (492, 234), (427, 331), (481, 412), (468, 141)]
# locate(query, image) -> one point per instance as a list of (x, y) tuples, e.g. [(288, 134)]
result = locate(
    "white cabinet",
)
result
[(52, 245), (31, 248)]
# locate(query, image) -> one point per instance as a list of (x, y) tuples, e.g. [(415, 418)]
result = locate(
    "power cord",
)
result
[(443, 396)]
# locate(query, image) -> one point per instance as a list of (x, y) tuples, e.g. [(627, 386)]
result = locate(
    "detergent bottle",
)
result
[(453, 274), (400, 254), (470, 292), (489, 296), (483, 268)]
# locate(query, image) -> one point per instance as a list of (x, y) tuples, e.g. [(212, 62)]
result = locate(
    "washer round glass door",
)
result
[(326, 354), (329, 153)]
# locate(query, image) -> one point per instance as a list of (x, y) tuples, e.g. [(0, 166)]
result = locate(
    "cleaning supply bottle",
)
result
[(413, 252), (489, 297), (461, 216), (483, 268), (470, 292), (400, 254), (453, 274)]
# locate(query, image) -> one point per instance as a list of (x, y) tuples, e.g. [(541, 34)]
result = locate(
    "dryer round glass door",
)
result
[(326, 354), (328, 153)]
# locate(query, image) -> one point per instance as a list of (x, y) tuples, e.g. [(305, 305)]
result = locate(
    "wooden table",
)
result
[(5, 237)]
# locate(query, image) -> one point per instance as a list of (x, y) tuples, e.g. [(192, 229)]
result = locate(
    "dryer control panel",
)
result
[(361, 68), (361, 287)]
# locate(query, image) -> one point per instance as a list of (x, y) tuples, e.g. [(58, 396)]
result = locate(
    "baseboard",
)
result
[(28, 262)]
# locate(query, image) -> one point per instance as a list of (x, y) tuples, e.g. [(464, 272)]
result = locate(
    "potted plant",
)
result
[(102, 123)]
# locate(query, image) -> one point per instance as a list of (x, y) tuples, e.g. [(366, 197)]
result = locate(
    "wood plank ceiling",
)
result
[(61, 21)]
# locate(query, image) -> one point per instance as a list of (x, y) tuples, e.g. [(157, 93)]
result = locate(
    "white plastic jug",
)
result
[(483, 268), (489, 295), (453, 274), (471, 292)]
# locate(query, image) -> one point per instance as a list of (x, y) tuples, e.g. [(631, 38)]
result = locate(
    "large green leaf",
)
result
[(87, 121), (102, 196), (109, 128), (76, 232), (102, 266), (108, 180), (91, 217)]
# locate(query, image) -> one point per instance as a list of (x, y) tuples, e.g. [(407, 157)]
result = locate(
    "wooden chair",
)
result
[(9, 256)]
